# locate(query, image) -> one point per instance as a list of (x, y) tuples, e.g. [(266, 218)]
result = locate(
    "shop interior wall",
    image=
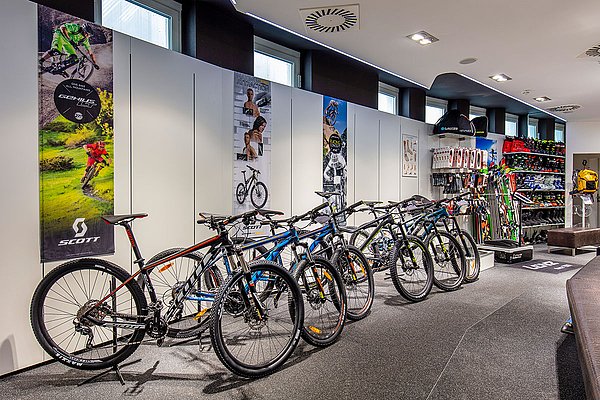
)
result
[(173, 158)]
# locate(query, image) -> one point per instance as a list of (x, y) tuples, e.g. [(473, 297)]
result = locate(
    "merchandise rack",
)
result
[(534, 154), (524, 171), (543, 208)]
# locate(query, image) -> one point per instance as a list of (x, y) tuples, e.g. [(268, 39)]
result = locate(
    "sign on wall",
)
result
[(489, 145), (251, 143), (335, 149), (410, 153), (76, 136)]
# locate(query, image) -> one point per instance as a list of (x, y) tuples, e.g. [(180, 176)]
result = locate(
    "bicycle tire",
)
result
[(168, 277), (378, 259), (410, 282), (259, 195), (359, 282), (72, 302), (88, 176), (229, 307), (323, 322), (240, 193), (82, 70), (448, 275), (472, 255)]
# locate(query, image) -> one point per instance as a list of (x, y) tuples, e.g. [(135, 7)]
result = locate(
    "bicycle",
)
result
[(92, 172), (409, 261), (258, 190), (92, 314), (449, 263), (61, 65)]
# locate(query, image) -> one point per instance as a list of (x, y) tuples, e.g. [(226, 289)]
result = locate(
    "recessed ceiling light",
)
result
[(500, 77), (541, 99), (466, 61), (423, 38)]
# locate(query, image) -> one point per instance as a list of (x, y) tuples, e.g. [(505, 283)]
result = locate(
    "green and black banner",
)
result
[(76, 136)]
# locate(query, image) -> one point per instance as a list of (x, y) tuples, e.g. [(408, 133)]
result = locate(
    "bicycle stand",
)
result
[(116, 369)]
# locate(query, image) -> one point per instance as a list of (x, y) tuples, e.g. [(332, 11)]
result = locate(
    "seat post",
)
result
[(136, 250)]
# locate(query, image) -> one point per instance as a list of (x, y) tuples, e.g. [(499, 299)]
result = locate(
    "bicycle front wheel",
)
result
[(449, 265), (74, 329), (358, 279), (324, 301), (259, 195), (411, 268), (250, 343), (472, 256)]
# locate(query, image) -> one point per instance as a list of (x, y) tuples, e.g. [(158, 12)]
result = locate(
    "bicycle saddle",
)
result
[(269, 213), (117, 219), (328, 194)]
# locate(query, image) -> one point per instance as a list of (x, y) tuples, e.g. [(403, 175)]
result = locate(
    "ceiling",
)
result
[(535, 42)]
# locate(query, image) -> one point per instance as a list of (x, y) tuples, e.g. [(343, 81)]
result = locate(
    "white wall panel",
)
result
[(19, 207), (281, 148), (307, 150), (162, 121), (366, 157), (389, 157)]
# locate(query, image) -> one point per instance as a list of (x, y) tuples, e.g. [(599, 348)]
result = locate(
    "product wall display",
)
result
[(251, 142), (335, 148), (459, 158), (76, 136)]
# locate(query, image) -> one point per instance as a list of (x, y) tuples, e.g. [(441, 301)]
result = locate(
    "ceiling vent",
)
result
[(593, 52), (331, 19), (567, 108)]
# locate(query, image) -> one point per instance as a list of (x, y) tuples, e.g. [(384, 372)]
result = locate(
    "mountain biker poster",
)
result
[(335, 149), (76, 137), (251, 142)]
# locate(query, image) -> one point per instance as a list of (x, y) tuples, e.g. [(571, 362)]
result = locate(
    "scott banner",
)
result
[(251, 143), (335, 149), (75, 136)]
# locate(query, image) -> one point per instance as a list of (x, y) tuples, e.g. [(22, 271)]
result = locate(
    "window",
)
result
[(475, 112), (155, 21), (532, 128), (388, 98), (510, 125), (276, 63), (559, 133), (434, 109)]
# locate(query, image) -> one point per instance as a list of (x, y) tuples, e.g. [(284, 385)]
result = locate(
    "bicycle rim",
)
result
[(358, 279), (448, 261), (411, 269)]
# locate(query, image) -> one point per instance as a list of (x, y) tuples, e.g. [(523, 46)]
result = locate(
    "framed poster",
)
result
[(335, 150), (410, 153)]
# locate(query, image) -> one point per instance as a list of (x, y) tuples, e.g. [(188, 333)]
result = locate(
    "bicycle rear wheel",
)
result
[(411, 268), (168, 279), (249, 343), (358, 279), (324, 301), (472, 256), (73, 329), (449, 265)]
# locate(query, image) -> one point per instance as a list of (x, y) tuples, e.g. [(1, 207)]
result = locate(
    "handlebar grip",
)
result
[(318, 208)]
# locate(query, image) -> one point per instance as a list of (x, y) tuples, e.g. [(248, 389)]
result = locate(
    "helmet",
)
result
[(86, 28)]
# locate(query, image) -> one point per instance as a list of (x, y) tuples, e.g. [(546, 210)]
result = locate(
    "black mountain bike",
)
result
[(92, 172), (257, 190), (92, 314), (80, 67)]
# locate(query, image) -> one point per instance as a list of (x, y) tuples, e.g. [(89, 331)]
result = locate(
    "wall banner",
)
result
[(410, 153), (75, 136), (335, 149), (251, 143)]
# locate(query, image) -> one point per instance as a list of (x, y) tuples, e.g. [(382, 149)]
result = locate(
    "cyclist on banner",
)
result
[(66, 38), (95, 153)]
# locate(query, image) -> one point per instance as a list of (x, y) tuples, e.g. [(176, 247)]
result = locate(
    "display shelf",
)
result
[(543, 208), (524, 171), (541, 190), (541, 225), (533, 154)]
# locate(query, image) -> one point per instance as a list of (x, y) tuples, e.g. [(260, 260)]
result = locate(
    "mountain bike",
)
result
[(92, 172), (92, 314), (257, 190), (79, 67)]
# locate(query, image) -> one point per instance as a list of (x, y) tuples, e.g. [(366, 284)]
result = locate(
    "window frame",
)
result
[(563, 130), (475, 111), (277, 51), (511, 118), (390, 91), (533, 122), (434, 102), (167, 8)]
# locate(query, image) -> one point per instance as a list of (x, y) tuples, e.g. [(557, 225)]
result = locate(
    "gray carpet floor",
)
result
[(497, 338)]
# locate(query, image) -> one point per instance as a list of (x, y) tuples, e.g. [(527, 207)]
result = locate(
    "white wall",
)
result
[(582, 138), (173, 158)]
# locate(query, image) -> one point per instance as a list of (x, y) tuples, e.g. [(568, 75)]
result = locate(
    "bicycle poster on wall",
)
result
[(409, 155), (335, 149), (76, 137), (251, 143)]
